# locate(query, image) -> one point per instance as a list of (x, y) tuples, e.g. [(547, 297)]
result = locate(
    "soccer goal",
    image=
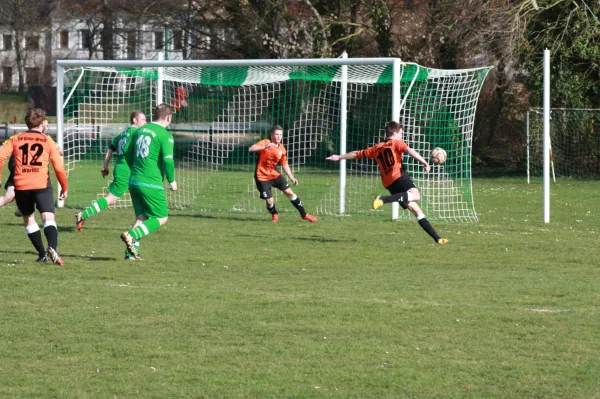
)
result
[(324, 105), (574, 143)]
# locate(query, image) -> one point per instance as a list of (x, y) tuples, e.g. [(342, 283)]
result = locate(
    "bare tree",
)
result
[(23, 18)]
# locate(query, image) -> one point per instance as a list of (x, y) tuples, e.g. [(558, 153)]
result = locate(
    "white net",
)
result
[(221, 111)]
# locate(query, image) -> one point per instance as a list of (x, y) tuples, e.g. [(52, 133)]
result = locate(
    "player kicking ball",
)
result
[(394, 177), (121, 173), (271, 153)]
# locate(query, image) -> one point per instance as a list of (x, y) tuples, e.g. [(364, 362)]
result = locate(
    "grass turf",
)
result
[(232, 305)]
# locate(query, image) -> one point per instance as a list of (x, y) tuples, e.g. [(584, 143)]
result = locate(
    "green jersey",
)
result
[(150, 156), (120, 144)]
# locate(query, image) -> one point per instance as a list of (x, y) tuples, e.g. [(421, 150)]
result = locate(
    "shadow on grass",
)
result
[(62, 255), (292, 238), (223, 217)]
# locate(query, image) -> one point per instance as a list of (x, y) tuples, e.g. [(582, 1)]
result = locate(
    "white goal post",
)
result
[(325, 106)]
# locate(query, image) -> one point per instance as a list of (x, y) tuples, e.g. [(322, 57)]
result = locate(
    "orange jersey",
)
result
[(389, 158), (268, 160), (33, 152)]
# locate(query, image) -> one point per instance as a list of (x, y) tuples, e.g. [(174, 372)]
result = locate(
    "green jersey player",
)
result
[(121, 172), (150, 157)]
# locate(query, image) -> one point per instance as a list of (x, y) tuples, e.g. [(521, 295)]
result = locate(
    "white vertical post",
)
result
[(343, 132), (395, 113), (60, 82), (159, 81), (546, 136), (527, 135)]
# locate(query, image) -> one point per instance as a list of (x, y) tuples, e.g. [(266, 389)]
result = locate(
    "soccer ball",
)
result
[(438, 156)]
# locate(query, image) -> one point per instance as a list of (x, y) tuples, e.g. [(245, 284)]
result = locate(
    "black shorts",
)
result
[(400, 185), (28, 200), (264, 187), (10, 181)]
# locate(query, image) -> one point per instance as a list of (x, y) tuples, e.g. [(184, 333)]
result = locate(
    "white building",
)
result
[(71, 38)]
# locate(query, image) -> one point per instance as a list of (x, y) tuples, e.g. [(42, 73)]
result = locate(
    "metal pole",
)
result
[(343, 132), (528, 160), (396, 114), (60, 82), (546, 136)]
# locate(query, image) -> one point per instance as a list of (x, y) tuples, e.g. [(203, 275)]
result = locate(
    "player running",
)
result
[(33, 152), (121, 171), (271, 153), (394, 177), (150, 157)]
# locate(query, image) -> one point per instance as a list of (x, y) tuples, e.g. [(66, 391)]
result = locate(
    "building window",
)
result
[(7, 73), (32, 43), (32, 76), (131, 44), (159, 40), (178, 40), (7, 41), (86, 39), (64, 39)]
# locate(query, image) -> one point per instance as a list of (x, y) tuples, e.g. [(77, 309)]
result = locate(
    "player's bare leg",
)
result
[(404, 198), (8, 197)]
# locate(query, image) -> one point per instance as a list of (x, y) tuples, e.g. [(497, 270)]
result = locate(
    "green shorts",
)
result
[(150, 202), (120, 184)]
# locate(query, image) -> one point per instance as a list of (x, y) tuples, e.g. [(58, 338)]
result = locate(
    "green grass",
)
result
[(11, 105), (231, 305)]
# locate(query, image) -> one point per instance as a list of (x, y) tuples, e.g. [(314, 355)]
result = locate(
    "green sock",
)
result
[(97, 206), (147, 227)]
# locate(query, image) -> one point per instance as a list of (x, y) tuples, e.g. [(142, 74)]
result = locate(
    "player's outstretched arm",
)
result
[(349, 155), (419, 158)]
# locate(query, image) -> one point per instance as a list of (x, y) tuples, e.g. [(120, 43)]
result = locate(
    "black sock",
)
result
[(36, 240), (429, 229), (401, 198), (298, 205), (51, 234), (271, 209)]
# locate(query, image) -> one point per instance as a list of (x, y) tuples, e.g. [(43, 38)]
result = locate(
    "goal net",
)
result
[(574, 143), (324, 106)]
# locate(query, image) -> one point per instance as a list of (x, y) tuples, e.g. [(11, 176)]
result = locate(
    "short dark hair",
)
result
[(273, 128), (392, 128), (161, 111), (134, 115), (35, 117)]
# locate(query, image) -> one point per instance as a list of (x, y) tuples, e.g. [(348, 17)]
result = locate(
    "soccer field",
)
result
[(231, 305)]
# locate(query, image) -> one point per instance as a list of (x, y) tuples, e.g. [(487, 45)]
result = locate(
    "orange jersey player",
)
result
[(33, 151), (273, 153), (389, 159), (394, 177)]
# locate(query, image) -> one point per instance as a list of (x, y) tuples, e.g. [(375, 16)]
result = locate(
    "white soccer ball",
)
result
[(438, 156)]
